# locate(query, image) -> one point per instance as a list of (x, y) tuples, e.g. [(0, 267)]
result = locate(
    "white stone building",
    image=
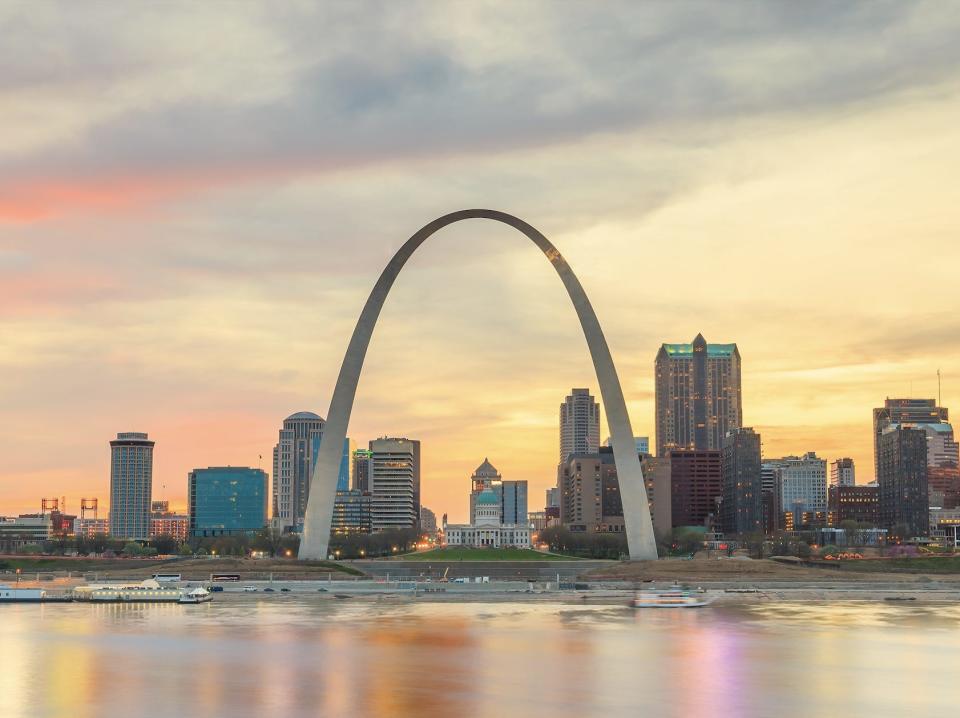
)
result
[(487, 531)]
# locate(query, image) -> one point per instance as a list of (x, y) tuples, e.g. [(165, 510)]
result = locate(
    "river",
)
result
[(298, 656)]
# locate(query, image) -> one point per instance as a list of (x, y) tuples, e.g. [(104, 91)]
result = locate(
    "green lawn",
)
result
[(921, 564), (483, 554)]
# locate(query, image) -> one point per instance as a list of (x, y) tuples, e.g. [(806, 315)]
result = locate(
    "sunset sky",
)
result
[(196, 199)]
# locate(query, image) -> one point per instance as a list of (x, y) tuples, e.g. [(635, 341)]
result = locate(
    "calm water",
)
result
[(292, 656)]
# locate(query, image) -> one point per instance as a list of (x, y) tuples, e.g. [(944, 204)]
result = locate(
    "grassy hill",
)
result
[(483, 554)]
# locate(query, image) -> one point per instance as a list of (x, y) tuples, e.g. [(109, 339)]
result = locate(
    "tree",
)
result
[(164, 544), (132, 548)]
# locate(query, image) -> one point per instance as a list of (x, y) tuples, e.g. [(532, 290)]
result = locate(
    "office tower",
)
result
[(642, 444), (394, 476), (227, 500), (552, 498), (513, 502), (842, 473), (854, 503), (768, 481), (579, 424), (697, 395), (590, 493), (656, 475), (902, 478), (484, 477), (696, 486), (904, 411), (800, 488), (346, 466), (352, 513), (428, 522), (293, 460), (361, 470), (742, 508), (131, 483)]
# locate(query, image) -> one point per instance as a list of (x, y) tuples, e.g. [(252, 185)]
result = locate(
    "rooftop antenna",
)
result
[(939, 396)]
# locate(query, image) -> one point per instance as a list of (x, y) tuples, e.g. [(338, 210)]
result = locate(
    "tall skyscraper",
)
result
[(801, 488), (698, 395), (394, 483), (903, 411), (293, 460), (227, 500), (131, 485), (579, 424), (842, 473), (902, 478), (742, 508)]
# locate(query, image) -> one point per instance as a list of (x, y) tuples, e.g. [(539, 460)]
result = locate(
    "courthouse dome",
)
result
[(309, 415), (488, 497), (486, 470)]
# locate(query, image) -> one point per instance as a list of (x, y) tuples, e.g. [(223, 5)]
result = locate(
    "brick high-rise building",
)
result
[(696, 486), (590, 493), (854, 503), (698, 395)]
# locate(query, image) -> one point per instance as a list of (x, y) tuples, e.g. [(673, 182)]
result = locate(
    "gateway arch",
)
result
[(323, 483)]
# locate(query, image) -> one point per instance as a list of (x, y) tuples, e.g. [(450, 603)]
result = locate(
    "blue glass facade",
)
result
[(343, 476), (513, 502), (227, 500)]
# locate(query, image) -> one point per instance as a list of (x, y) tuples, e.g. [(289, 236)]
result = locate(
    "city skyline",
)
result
[(202, 286)]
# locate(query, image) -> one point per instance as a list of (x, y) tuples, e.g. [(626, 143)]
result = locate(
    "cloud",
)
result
[(392, 95)]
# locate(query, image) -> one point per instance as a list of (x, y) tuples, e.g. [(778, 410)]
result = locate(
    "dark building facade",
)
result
[(904, 411), (854, 503), (352, 513), (902, 480), (698, 395), (696, 486), (590, 493), (742, 507)]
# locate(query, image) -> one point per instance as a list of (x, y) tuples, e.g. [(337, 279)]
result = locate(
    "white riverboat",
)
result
[(10, 594), (196, 595), (675, 598)]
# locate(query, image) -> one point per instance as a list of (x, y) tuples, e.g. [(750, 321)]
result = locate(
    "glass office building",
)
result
[(227, 500)]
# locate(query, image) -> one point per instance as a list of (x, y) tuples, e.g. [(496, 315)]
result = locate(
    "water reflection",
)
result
[(307, 656)]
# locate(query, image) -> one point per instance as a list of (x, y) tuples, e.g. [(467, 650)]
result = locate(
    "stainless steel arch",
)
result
[(323, 483)]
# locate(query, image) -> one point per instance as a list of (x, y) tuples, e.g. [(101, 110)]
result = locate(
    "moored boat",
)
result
[(9, 594), (196, 595), (675, 598)]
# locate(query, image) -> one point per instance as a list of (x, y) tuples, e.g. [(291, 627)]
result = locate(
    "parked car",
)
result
[(249, 589)]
